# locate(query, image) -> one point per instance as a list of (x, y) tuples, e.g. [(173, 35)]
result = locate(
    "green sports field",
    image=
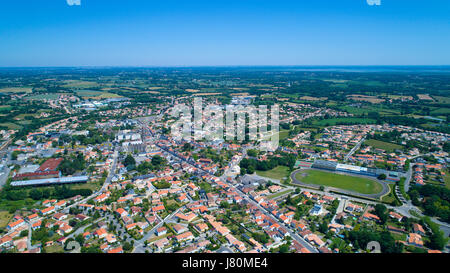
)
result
[(345, 182), (278, 173)]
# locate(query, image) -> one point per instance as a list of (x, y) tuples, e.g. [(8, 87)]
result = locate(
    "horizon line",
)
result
[(237, 65)]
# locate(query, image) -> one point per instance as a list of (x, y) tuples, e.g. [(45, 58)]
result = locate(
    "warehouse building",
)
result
[(51, 181)]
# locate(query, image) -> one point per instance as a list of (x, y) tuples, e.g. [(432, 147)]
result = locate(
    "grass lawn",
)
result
[(27, 203), (205, 186), (345, 182), (391, 196), (5, 217), (56, 248), (90, 185), (447, 180), (388, 147), (156, 238), (277, 173), (284, 134), (275, 195)]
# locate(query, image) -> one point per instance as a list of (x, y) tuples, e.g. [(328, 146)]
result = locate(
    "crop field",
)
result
[(10, 126), (51, 96), (16, 90), (345, 182), (370, 99), (92, 94), (78, 84)]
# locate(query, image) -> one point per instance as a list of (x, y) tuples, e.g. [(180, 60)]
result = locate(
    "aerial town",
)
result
[(91, 165)]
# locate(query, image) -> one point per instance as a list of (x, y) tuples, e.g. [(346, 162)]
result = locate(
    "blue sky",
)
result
[(224, 32)]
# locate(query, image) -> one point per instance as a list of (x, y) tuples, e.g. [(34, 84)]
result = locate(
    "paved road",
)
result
[(293, 235), (102, 189), (83, 228), (6, 170), (403, 210), (139, 245), (354, 149)]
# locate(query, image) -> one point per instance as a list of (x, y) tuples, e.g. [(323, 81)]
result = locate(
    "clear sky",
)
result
[(224, 32)]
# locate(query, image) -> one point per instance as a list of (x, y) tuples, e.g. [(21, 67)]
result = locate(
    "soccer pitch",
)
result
[(345, 182)]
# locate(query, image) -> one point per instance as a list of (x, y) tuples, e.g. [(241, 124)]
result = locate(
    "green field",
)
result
[(447, 179), (335, 121), (79, 84), (5, 108), (92, 94), (390, 198), (388, 147), (277, 173), (54, 249), (5, 217), (275, 195), (50, 96), (345, 182), (16, 90), (284, 134), (10, 126)]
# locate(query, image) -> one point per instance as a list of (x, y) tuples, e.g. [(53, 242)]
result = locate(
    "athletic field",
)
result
[(345, 182)]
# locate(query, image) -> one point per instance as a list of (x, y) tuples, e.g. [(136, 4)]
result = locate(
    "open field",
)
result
[(440, 111), (283, 134), (313, 98), (50, 96), (92, 94), (441, 99), (345, 182), (94, 186), (335, 121), (207, 94), (5, 217), (79, 84), (370, 99), (280, 193), (447, 179), (10, 126), (16, 90), (277, 173), (388, 147), (424, 97), (56, 248)]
